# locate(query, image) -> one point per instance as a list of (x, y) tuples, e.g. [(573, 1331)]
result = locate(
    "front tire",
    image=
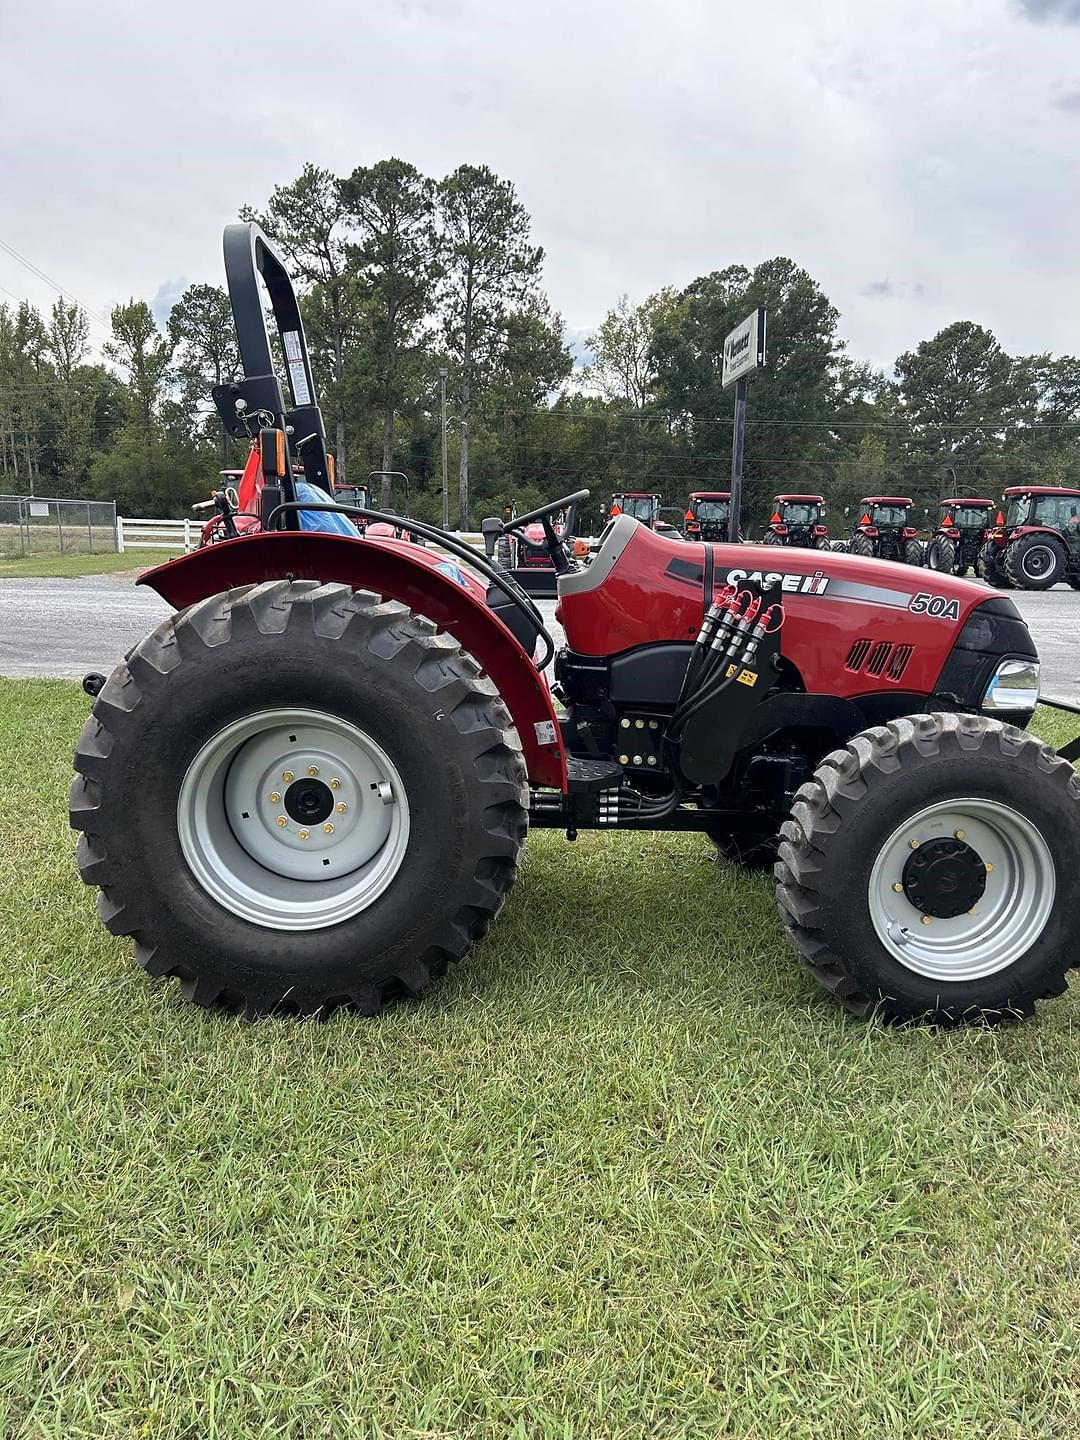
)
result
[(1035, 562), (294, 796), (942, 554), (930, 870)]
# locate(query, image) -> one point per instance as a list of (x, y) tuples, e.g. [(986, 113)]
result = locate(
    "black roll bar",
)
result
[(249, 254)]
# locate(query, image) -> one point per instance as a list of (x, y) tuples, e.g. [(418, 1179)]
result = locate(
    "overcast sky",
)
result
[(918, 157)]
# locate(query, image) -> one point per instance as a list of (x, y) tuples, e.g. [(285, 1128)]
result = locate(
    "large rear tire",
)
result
[(861, 545), (988, 566), (930, 870), (294, 797), (942, 554), (1035, 562), (771, 538), (914, 552)]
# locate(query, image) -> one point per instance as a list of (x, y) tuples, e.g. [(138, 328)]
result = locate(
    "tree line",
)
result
[(404, 277)]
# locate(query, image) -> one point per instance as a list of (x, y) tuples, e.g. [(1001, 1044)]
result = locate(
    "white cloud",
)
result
[(926, 143)]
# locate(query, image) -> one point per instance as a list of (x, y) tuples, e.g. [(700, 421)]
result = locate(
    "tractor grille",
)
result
[(879, 657)]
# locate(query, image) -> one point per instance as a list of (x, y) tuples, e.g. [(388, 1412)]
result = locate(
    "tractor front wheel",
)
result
[(930, 870), (988, 566), (1035, 562), (942, 554), (295, 796)]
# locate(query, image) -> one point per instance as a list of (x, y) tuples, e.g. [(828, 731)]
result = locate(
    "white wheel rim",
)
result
[(1005, 921), (256, 840), (1044, 558)]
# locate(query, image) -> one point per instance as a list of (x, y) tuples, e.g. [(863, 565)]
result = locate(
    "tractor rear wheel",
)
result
[(861, 544), (942, 554), (930, 870), (914, 553), (771, 538), (294, 797), (988, 566), (1035, 562)]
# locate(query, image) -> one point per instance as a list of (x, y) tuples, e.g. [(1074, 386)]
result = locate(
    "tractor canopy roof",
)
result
[(710, 494), (886, 500), (1040, 490), (960, 501), (635, 495), (800, 499)]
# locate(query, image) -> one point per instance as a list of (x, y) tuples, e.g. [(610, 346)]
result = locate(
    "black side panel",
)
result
[(649, 675)]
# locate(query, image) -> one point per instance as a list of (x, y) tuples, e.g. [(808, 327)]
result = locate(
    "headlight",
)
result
[(1014, 686)]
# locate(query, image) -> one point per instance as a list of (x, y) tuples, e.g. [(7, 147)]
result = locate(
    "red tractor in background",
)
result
[(649, 509), (884, 530), (1036, 540), (310, 787), (962, 529), (796, 520), (708, 515)]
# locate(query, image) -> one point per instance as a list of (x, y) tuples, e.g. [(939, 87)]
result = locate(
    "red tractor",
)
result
[(796, 520), (708, 515), (884, 530), (1036, 540), (310, 787), (963, 526)]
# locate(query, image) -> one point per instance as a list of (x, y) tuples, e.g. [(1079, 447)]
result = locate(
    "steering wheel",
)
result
[(552, 543)]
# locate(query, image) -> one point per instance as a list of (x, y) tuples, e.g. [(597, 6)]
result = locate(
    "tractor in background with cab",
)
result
[(1036, 540), (884, 530), (962, 528), (797, 520)]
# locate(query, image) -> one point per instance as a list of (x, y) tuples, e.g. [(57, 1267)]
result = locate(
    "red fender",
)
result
[(396, 571)]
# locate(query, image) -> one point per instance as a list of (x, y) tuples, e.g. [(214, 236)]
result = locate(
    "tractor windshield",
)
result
[(968, 517), (352, 495), (712, 510), (801, 514), (1060, 511), (641, 507), (888, 517)]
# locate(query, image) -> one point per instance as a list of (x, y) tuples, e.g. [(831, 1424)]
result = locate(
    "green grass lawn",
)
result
[(626, 1173), (51, 566)]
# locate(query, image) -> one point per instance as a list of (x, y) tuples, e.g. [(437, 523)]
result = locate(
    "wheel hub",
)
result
[(1037, 562), (945, 877), (309, 802)]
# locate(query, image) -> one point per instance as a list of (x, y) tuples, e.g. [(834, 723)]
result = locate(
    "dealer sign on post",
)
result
[(744, 352)]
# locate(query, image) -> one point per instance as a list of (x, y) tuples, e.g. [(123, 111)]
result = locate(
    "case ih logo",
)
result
[(815, 584)]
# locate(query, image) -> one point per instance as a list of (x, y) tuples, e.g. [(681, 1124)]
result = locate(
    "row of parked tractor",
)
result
[(1030, 540)]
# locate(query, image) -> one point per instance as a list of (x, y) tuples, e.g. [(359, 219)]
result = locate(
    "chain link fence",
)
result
[(37, 525)]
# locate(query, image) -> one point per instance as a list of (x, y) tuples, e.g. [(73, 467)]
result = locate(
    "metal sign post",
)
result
[(744, 354)]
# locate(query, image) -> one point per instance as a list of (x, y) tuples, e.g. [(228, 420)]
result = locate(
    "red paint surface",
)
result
[(640, 604)]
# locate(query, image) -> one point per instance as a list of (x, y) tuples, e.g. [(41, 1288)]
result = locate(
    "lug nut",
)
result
[(341, 807), (328, 828), (275, 798), (287, 776), (304, 834), (639, 724), (313, 770), (281, 822), (989, 867), (624, 723), (926, 919), (914, 844), (959, 834), (898, 888), (335, 784)]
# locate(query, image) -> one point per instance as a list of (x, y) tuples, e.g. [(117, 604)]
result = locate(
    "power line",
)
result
[(29, 264)]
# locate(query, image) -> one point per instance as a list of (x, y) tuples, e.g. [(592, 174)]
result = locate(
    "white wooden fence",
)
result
[(184, 535), (156, 534)]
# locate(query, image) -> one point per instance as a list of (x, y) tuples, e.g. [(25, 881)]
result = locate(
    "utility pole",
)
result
[(445, 479)]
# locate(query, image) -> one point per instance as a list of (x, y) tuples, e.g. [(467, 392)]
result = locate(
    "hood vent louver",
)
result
[(879, 658)]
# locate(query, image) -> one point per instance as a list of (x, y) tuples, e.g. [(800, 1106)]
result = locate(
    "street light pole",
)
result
[(445, 491)]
